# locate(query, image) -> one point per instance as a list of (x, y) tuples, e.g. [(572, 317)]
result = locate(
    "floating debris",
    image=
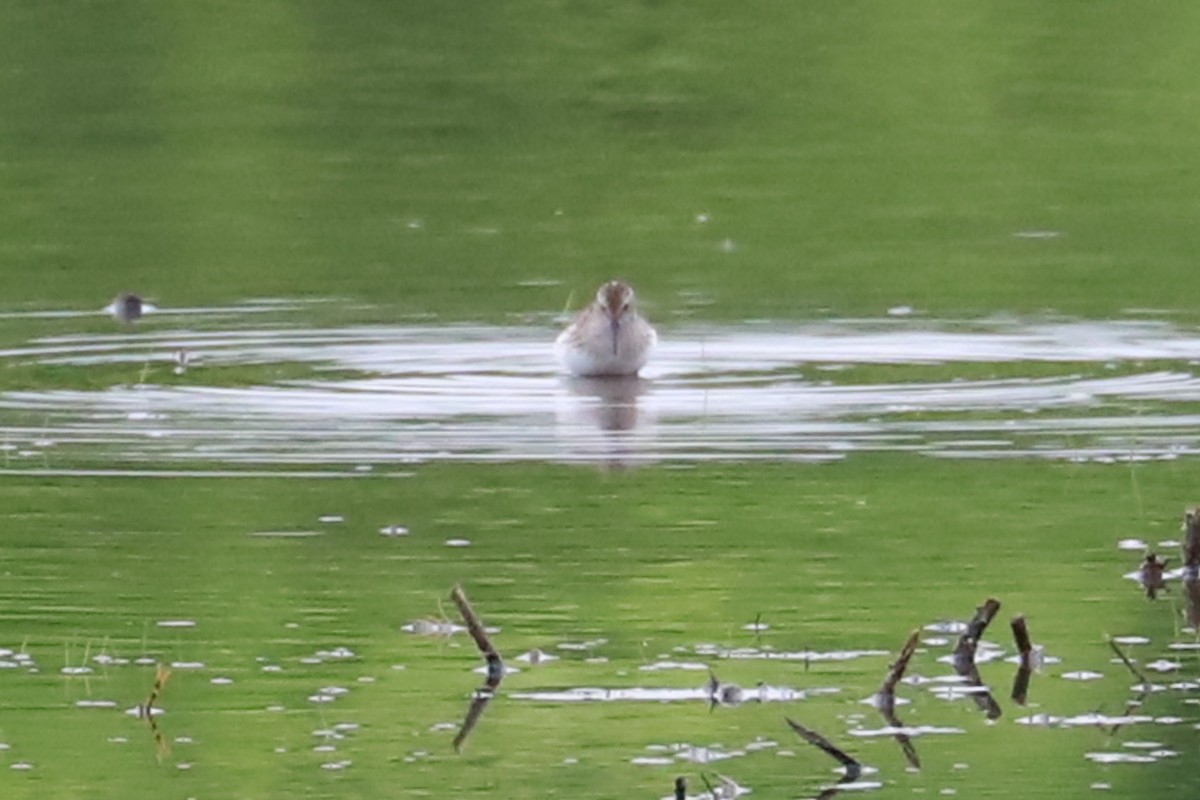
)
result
[(536, 656), (591, 644), (432, 627), (393, 530), (176, 623), (807, 656), (1120, 758), (331, 519), (685, 666), (1130, 639)]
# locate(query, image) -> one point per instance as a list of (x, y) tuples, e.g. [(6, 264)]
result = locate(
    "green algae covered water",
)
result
[(922, 276)]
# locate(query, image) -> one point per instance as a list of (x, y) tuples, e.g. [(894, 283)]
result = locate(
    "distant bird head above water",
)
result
[(126, 308)]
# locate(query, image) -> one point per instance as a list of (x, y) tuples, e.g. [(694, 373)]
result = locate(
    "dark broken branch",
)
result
[(964, 657), (1020, 691), (495, 666)]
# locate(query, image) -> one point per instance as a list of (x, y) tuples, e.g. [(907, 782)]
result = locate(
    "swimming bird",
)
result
[(609, 337)]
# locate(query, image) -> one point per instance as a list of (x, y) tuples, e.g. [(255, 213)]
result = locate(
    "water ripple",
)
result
[(383, 395)]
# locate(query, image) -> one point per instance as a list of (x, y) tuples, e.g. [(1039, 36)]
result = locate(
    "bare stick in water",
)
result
[(887, 699), (1191, 543), (495, 666), (1020, 631), (964, 656), (901, 664)]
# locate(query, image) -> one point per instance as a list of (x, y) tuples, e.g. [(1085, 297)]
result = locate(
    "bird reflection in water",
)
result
[(610, 406)]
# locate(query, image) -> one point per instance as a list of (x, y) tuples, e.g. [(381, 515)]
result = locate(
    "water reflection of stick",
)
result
[(887, 699), (495, 666), (1125, 660), (852, 765)]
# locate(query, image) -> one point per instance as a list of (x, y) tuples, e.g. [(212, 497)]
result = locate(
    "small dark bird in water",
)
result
[(681, 788), (127, 308)]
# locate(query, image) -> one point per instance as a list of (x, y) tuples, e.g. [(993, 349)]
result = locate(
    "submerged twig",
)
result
[(853, 766), (495, 666)]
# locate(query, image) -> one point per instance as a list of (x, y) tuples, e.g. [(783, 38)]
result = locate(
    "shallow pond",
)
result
[(258, 540)]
